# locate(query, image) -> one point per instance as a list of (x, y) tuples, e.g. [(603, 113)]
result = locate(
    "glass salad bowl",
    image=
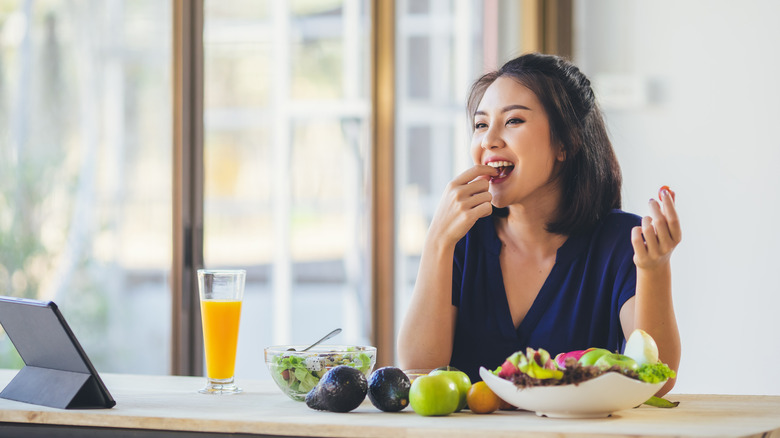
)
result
[(297, 372)]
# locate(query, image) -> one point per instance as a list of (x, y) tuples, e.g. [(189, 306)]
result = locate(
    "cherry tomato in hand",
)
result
[(667, 189)]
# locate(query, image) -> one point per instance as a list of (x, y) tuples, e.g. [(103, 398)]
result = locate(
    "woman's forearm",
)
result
[(654, 313), (653, 310), (426, 335)]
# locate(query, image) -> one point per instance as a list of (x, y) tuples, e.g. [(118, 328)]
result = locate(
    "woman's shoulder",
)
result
[(619, 219), (611, 235), (614, 231)]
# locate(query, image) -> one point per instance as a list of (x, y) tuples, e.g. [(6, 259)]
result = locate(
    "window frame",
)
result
[(188, 177)]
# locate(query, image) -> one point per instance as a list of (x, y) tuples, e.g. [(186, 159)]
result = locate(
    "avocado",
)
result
[(341, 389), (388, 389)]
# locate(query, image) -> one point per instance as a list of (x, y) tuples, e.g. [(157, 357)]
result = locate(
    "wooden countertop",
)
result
[(172, 403)]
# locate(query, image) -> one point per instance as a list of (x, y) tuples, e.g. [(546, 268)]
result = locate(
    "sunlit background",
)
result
[(688, 89), (286, 129), (85, 165)]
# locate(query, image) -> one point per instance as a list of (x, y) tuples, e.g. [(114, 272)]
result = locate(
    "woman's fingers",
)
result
[(651, 238), (467, 202), (480, 171), (659, 233), (475, 187), (472, 186), (670, 212), (484, 209), (638, 242), (466, 199), (660, 225), (471, 182), (666, 223)]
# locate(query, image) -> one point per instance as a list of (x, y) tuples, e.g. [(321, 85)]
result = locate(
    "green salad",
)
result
[(298, 373)]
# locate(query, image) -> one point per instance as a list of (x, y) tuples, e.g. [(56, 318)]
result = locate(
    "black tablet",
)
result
[(57, 371)]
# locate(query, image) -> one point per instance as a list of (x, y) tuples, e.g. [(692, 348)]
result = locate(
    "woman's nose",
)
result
[(492, 140)]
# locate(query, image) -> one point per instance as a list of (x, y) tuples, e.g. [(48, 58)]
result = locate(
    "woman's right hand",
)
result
[(466, 199)]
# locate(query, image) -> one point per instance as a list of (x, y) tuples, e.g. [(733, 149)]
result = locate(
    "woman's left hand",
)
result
[(659, 234)]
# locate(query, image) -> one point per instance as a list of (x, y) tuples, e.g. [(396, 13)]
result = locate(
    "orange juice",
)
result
[(220, 333)]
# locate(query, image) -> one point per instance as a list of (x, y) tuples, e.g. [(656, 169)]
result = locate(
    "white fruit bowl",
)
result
[(597, 397)]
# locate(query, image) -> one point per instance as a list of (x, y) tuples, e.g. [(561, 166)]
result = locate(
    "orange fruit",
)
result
[(481, 399)]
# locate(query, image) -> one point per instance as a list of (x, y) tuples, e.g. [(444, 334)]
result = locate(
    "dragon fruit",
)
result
[(535, 363), (560, 358), (514, 364)]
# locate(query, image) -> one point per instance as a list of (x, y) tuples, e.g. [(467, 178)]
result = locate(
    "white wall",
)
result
[(691, 90)]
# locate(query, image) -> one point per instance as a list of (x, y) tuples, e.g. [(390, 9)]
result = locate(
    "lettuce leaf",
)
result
[(655, 373)]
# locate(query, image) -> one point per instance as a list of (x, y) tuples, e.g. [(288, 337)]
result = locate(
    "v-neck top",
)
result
[(577, 307)]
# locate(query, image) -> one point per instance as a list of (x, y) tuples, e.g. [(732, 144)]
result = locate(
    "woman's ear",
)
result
[(561, 153)]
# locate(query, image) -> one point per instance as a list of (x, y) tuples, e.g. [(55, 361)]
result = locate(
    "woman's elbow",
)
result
[(666, 388)]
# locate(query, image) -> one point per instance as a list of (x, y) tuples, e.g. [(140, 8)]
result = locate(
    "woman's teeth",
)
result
[(504, 168)]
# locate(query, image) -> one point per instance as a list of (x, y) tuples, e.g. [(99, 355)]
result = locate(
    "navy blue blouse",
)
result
[(577, 307)]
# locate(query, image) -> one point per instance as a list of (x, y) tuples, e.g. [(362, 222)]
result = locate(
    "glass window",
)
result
[(286, 187), (438, 55), (85, 172)]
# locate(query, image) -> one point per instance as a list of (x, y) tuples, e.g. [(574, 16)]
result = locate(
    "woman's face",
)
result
[(512, 132)]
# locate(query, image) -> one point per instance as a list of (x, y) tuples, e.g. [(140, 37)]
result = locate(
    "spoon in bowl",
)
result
[(323, 339)]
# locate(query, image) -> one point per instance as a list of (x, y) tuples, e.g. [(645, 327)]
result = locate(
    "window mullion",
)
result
[(187, 345), (383, 183)]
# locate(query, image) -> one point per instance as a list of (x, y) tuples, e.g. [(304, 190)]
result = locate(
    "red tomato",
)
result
[(667, 190)]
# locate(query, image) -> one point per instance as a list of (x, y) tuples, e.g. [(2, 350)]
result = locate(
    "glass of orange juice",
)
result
[(221, 292)]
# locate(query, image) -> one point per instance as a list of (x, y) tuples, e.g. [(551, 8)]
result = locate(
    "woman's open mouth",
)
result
[(504, 169)]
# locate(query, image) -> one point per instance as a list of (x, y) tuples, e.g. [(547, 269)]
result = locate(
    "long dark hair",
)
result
[(590, 174)]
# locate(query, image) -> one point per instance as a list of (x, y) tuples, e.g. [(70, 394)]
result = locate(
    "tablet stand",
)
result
[(54, 388), (57, 371)]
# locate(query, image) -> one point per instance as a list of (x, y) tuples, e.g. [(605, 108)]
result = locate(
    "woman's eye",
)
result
[(480, 125), (515, 121)]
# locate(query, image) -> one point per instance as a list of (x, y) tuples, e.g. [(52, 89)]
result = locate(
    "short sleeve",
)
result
[(625, 280)]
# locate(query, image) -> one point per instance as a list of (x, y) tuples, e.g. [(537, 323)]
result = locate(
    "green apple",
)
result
[(432, 395), (590, 356), (613, 359), (459, 378)]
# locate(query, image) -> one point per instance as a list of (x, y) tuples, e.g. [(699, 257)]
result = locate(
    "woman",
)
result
[(528, 248)]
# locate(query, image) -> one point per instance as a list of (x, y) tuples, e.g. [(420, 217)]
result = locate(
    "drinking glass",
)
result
[(221, 292)]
